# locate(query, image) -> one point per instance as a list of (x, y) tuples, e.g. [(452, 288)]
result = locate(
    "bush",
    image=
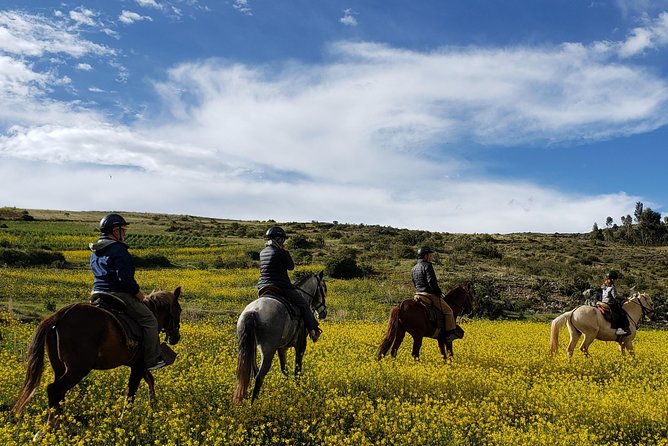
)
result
[(344, 266), (31, 257), (152, 261)]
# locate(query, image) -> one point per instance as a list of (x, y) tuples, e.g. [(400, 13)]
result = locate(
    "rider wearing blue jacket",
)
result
[(275, 261), (114, 273)]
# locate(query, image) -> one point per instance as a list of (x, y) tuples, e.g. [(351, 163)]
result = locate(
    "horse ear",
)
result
[(321, 273), (177, 292)]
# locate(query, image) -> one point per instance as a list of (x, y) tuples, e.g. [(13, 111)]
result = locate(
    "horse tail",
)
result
[(246, 358), (35, 366), (390, 333), (557, 324)]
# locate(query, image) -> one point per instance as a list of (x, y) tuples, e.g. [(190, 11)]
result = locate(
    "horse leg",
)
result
[(629, 347), (300, 349), (397, 341), (575, 337), (441, 348), (150, 381), (586, 342), (265, 365), (417, 345), (58, 388), (282, 361), (448, 348)]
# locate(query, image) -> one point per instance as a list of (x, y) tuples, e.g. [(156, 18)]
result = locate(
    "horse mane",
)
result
[(303, 280), (157, 300)]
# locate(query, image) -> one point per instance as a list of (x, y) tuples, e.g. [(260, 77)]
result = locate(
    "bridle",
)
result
[(645, 311), (320, 291)]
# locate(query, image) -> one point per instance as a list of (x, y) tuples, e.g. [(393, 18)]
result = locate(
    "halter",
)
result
[(320, 291), (646, 312)]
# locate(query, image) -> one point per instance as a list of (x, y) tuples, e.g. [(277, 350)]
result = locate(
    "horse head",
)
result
[(461, 297), (646, 305), (315, 289), (165, 305)]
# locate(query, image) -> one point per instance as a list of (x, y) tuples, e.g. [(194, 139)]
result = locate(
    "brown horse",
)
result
[(82, 337), (411, 316)]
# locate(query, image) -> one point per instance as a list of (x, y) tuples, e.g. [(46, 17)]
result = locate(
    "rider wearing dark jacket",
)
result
[(275, 261), (426, 285), (614, 303), (114, 273)]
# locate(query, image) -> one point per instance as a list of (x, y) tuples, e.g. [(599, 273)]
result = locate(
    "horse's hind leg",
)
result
[(398, 339), (265, 365), (584, 347), (575, 337), (57, 389), (281, 360), (417, 345)]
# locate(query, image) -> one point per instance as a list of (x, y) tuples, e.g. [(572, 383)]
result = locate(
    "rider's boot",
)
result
[(621, 332)]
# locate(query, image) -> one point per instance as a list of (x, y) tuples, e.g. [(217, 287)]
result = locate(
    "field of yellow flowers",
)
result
[(502, 388)]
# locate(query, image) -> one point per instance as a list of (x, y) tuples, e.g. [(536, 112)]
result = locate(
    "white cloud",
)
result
[(130, 17), (348, 18), (33, 35), (338, 141), (84, 67), (243, 6), (149, 4), (84, 16)]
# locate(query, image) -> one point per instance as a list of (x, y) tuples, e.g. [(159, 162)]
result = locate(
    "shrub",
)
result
[(31, 257), (152, 260), (344, 266)]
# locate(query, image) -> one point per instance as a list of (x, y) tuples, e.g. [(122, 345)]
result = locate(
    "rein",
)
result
[(321, 306), (644, 312)]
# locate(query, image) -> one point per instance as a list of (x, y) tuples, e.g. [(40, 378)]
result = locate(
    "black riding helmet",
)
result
[(111, 221), (423, 251), (614, 275), (275, 232)]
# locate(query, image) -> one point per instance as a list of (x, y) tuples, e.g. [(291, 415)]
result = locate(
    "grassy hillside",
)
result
[(515, 275)]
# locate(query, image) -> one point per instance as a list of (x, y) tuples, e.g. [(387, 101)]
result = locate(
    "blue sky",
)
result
[(458, 116)]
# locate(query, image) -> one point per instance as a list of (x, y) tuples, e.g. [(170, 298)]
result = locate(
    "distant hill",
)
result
[(516, 275)]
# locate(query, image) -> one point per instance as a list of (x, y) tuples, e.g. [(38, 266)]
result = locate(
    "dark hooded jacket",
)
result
[(113, 267), (424, 278)]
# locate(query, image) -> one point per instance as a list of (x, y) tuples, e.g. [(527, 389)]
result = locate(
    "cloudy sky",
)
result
[(446, 115)]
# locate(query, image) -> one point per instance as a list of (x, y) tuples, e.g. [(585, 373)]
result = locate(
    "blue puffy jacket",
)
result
[(113, 267)]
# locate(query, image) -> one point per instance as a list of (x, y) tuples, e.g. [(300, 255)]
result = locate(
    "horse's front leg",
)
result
[(629, 347), (441, 347), (300, 349), (136, 374), (448, 348), (150, 380)]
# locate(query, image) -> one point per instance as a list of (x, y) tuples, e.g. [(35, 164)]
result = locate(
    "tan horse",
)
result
[(587, 320)]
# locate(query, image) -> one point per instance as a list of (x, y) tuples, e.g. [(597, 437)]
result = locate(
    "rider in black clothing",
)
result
[(275, 261)]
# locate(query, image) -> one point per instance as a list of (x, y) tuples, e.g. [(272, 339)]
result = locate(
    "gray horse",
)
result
[(266, 323)]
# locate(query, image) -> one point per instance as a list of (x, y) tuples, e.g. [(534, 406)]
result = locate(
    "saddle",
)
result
[(611, 315), (274, 292), (130, 329), (434, 315), (115, 307)]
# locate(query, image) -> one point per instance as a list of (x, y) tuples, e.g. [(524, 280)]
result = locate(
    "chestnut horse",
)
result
[(411, 316), (82, 337), (587, 320)]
